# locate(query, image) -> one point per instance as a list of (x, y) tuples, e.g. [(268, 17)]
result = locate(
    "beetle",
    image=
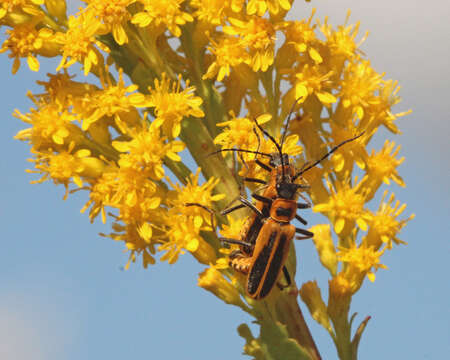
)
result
[(265, 238), (263, 258)]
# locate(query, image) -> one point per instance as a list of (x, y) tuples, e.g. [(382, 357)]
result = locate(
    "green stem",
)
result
[(214, 109), (180, 170)]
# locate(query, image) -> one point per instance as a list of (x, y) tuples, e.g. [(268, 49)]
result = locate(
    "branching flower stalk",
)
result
[(166, 76)]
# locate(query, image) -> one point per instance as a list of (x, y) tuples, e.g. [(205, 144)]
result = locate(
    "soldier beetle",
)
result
[(267, 234)]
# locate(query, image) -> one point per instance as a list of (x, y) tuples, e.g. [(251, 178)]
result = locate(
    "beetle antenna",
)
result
[(317, 162), (240, 150)]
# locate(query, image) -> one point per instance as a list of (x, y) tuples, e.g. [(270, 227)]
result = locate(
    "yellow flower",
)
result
[(130, 191), (354, 152), (117, 101), (339, 298), (134, 242), (15, 12), (380, 112), (325, 247), (78, 43), (172, 104), (51, 127), (184, 233), (185, 222), (233, 227), (241, 133), (358, 87), (381, 167), (25, 41), (384, 225), (62, 90), (345, 207), (341, 42), (310, 80), (258, 35), (112, 14), (229, 53), (146, 151), (259, 7), (301, 38), (192, 192), (212, 280), (161, 14), (215, 11), (360, 261), (65, 167)]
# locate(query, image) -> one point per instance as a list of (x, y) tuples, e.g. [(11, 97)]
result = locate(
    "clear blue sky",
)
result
[(63, 294)]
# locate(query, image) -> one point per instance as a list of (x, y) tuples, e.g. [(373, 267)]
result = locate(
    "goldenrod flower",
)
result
[(301, 37), (79, 43), (212, 280), (190, 77), (384, 225), (259, 7), (360, 261), (161, 14), (25, 41), (66, 167), (229, 53), (214, 12), (172, 104), (113, 15), (16, 12), (114, 101), (345, 207), (258, 36), (381, 167)]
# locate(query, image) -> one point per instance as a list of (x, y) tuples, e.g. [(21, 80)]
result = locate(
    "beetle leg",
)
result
[(262, 198), (299, 218), (306, 234), (259, 181), (231, 209), (287, 277), (234, 241), (211, 212)]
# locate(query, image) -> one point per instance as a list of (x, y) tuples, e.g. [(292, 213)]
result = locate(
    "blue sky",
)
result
[(64, 295)]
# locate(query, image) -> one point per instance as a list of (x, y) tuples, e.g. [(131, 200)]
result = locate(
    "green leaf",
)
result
[(357, 337)]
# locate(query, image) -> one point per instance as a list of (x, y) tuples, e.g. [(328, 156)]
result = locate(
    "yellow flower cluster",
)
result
[(200, 73), (96, 139)]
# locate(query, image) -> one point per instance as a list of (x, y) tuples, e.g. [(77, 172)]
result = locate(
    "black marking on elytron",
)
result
[(260, 264), (274, 268), (284, 212), (252, 234)]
